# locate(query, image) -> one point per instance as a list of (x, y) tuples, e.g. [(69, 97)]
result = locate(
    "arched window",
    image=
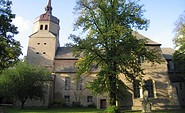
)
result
[(46, 27), (150, 88), (79, 84), (136, 88), (41, 27)]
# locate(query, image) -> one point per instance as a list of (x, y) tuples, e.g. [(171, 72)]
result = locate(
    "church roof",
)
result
[(149, 41), (168, 53), (64, 53), (65, 60)]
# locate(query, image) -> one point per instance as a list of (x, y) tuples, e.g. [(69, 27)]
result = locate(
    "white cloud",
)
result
[(22, 24), (25, 29)]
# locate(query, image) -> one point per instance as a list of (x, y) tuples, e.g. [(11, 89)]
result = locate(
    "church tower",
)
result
[(44, 40)]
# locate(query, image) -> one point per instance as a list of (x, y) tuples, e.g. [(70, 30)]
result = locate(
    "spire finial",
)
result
[(48, 8)]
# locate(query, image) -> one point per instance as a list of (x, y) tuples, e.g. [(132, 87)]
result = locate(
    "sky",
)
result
[(162, 15)]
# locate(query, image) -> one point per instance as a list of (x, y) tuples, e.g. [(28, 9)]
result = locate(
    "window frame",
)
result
[(137, 88), (149, 86), (67, 99), (41, 27), (79, 84), (89, 99), (46, 27), (67, 83)]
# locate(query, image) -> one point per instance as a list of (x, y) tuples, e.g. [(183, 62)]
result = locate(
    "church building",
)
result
[(63, 90)]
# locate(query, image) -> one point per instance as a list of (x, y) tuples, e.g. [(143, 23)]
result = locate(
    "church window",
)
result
[(46, 27), (181, 86), (79, 85), (177, 90), (41, 27), (67, 83), (171, 65), (38, 43), (37, 52), (136, 88), (149, 87), (141, 59), (44, 52), (44, 43), (67, 99), (89, 98)]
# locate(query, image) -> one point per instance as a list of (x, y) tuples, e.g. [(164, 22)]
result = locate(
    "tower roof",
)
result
[(47, 16), (48, 8)]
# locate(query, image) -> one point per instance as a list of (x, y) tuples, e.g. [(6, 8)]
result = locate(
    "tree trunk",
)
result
[(112, 93), (113, 87), (22, 104)]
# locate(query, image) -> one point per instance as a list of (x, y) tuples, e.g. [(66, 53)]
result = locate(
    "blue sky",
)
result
[(162, 15)]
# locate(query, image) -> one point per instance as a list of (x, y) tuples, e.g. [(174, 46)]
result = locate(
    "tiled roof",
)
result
[(47, 17), (65, 60), (65, 65), (167, 53), (64, 53), (149, 41)]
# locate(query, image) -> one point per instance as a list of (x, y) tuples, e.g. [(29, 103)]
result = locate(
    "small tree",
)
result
[(24, 81), (10, 49), (179, 41), (108, 43)]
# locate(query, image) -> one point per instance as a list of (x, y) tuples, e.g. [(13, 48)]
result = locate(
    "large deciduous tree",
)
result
[(179, 41), (10, 49), (24, 81), (107, 42)]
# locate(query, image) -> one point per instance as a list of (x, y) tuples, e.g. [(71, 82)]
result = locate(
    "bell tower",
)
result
[(44, 40)]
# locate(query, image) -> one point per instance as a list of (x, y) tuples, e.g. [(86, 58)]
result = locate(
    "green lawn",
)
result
[(53, 110), (76, 110)]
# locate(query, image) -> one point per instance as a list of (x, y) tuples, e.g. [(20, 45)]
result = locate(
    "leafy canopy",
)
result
[(24, 81), (10, 49), (107, 44), (179, 41)]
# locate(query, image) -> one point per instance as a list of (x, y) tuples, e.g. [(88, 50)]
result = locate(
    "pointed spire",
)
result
[(48, 8)]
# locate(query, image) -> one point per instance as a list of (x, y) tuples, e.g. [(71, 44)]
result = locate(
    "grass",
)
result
[(53, 110), (76, 110)]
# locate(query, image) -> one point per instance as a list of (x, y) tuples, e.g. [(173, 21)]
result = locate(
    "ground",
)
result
[(74, 110)]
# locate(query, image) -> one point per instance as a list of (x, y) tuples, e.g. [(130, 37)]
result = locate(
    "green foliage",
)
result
[(107, 43), (111, 109), (24, 81), (179, 41), (10, 49)]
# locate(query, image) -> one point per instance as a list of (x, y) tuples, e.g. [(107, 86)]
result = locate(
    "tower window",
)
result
[(44, 43), (46, 27), (41, 27), (38, 43), (44, 52), (37, 52)]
